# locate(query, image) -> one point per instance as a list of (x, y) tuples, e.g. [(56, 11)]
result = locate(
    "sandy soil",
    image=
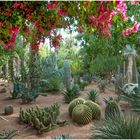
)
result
[(25, 132)]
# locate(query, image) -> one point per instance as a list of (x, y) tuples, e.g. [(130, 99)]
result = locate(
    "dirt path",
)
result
[(76, 131)]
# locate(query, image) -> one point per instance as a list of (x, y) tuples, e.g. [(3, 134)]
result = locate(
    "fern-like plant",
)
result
[(118, 128)]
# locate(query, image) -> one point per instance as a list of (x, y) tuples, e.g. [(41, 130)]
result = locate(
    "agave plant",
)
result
[(119, 128), (93, 95), (61, 137)]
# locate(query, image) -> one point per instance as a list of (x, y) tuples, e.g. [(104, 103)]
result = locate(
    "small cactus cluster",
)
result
[(112, 108), (42, 119), (83, 112), (8, 134), (8, 110)]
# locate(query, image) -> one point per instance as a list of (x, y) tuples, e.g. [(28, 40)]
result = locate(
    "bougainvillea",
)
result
[(37, 19)]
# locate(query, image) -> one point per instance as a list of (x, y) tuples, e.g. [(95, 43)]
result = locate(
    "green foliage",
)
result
[(72, 93), (51, 77), (67, 75), (42, 119), (8, 134), (16, 88), (74, 103), (112, 108), (87, 77), (82, 114), (83, 84), (104, 66), (61, 137), (93, 95), (102, 85), (96, 109), (119, 128), (8, 110)]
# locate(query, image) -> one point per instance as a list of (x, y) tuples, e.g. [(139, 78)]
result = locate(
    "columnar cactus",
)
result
[(67, 75)]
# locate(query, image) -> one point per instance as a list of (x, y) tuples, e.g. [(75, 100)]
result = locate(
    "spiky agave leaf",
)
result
[(119, 128), (93, 95), (8, 134)]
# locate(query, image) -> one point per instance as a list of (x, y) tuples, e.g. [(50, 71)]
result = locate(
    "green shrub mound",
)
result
[(82, 114), (96, 109), (74, 103)]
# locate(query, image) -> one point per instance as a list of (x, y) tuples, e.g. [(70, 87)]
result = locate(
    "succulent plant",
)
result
[(93, 95), (83, 84), (72, 93), (82, 114), (8, 134), (42, 119), (96, 109), (61, 137), (8, 110), (118, 128), (74, 103), (112, 108)]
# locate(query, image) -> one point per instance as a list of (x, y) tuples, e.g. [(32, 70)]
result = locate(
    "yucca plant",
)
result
[(8, 134), (118, 128), (93, 95)]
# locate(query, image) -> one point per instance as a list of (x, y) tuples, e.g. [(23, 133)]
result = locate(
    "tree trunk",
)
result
[(5, 71), (33, 70)]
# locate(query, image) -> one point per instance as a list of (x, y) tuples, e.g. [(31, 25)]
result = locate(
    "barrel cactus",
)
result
[(82, 114), (8, 110), (112, 108), (96, 109), (74, 103)]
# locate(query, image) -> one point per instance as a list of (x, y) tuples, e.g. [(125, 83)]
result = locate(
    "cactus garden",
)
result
[(70, 69)]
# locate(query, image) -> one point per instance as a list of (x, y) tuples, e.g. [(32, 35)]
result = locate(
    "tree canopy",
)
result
[(36, 20)]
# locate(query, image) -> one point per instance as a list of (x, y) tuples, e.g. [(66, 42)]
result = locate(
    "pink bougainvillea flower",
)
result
[(61, 13), (136, 27), (51, 6), (91, 18), (16, 4), (135, 2)]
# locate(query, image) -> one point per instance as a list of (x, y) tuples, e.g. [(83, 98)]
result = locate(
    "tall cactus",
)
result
[(67, 75)]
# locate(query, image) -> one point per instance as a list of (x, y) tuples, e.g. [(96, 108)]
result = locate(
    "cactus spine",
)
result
[(82, 114), (74, 103), (96, 109)]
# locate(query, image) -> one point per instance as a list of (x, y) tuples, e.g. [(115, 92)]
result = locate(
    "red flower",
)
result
[(61, 13), (51, 6), (28, 17), (8, 10), (22, 6), (15, 5), (1, 24)]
